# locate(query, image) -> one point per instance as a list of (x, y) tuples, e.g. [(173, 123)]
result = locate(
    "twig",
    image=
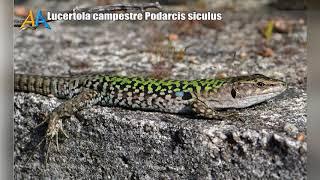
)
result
[(104, 9)]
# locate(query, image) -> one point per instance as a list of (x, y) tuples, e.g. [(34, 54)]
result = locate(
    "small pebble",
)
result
[(173, 37), (243, 55), (290, 129), (282, 26), (300, 137)]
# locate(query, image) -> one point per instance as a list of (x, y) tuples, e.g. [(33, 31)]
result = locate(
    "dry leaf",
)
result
[(266, 52)]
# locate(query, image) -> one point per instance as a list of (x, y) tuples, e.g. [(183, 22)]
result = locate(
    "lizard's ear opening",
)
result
[(233, 93)]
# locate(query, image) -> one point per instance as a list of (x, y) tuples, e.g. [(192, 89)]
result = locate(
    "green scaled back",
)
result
[(150, 86)]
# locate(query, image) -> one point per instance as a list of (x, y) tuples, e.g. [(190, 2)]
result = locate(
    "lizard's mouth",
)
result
[(275, 90), (259, 98), (252, 100), (247, 101)]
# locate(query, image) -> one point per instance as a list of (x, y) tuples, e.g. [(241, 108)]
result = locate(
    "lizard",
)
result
[(202, 98)]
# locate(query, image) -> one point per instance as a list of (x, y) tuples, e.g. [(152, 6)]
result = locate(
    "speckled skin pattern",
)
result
[(198, 97), (174, 96)]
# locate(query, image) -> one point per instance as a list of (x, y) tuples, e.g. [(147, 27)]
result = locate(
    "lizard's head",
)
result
[(246, 91)]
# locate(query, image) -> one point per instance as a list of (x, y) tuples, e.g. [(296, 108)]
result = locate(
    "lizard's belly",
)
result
[(149, 103)]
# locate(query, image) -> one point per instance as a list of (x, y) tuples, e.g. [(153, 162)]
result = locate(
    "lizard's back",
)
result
[(132, 92)]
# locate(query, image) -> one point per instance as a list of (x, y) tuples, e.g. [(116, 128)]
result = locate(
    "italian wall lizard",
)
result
[(198, 97)]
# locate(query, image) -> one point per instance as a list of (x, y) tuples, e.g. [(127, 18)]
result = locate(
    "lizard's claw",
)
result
[(52, 133), (54, 127)]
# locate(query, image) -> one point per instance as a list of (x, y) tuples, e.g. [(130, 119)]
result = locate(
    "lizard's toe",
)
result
[(54, 127)]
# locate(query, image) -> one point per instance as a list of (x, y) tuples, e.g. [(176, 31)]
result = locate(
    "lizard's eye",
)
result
[(260, 84), (233, 93)]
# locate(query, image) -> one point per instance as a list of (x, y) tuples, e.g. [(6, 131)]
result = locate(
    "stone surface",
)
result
[(110, 142)]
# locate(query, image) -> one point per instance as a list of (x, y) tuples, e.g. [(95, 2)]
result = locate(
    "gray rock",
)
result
[(112, 142)]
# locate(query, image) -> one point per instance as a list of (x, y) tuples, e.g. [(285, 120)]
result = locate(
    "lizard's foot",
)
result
[(54, 127), (54, 119), (52, 133)]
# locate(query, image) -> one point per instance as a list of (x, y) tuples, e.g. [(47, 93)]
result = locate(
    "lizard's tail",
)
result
[(44, 85)]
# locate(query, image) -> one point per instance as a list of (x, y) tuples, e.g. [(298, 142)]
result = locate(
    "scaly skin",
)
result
[(198, 97), (159, 95), (137, 93)]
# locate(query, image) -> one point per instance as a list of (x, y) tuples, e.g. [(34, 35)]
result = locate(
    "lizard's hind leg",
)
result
[(54, 127), (55, 119)]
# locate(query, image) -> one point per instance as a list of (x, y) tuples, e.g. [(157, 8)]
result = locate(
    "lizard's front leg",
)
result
[(81, 101), (201, 109)]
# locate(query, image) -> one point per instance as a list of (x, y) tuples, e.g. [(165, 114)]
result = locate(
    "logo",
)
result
[(35, 23)]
